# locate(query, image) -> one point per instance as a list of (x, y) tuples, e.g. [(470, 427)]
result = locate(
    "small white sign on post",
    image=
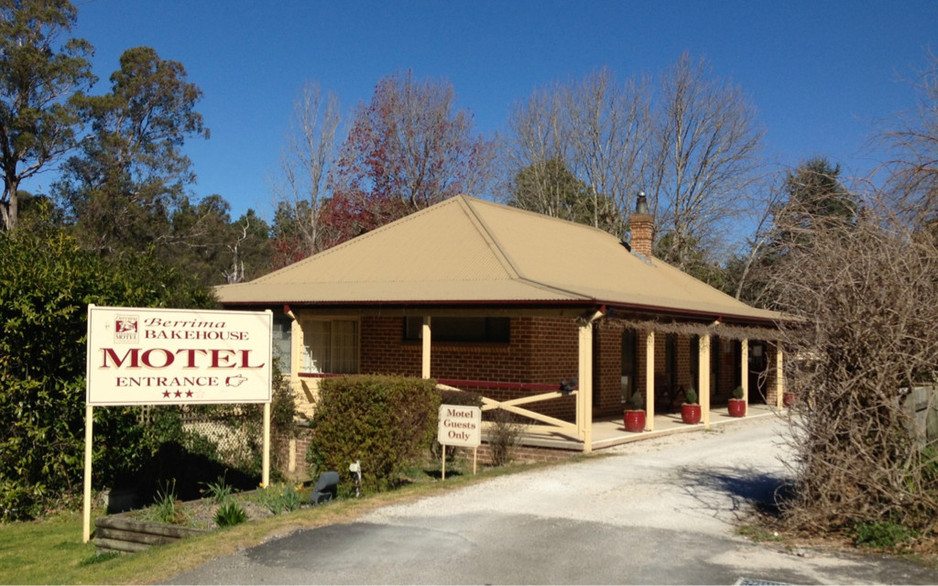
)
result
[(461, 426)]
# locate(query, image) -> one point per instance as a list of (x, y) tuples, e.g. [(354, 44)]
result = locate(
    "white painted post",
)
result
[(443, 474), (86, 509), (744, 369), (779, 376), (703, 377), (426, 335), (265, 458), (650, 381), (585, 392), (650, 396)]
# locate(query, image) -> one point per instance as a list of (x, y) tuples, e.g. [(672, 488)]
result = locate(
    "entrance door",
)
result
[(758, 379), (629, 363)]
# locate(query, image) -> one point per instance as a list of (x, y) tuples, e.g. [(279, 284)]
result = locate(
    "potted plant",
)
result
[(789, 399), (737, 405), (690, 410), (635, 414)]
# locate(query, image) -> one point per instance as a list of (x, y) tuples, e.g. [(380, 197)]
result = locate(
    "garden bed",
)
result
[(136, 530)]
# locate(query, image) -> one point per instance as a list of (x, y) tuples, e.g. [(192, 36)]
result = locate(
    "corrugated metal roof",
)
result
[(475, 251)]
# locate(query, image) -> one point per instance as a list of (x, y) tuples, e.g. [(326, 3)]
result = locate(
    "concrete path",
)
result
[(655, 512)]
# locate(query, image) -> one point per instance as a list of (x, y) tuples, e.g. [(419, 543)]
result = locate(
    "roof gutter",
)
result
[(603, 308)]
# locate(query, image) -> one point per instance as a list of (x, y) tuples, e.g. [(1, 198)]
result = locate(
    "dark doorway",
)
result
[(629, 363), (758, 379)]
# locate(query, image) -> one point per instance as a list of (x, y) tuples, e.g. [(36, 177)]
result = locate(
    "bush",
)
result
[(457, 397), (383, 421), (230, 514), (504, 437), (690, 397), (280, 497), (883, 534), (46, 284)]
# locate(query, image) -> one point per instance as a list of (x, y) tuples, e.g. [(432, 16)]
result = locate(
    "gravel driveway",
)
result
[(661, 511)]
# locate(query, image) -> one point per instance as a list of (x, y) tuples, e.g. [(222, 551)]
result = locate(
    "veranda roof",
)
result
[(476, 252)]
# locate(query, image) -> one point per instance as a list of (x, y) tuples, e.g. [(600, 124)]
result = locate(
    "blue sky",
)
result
[(821, 74)]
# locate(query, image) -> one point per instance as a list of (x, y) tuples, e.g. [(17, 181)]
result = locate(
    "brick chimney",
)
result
[(642, 226)]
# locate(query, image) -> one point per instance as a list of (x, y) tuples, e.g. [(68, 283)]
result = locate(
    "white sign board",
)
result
[(144, 356), (460, 426)]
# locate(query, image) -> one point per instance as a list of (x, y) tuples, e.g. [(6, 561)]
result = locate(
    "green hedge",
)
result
[(386, 422), (46, 284)]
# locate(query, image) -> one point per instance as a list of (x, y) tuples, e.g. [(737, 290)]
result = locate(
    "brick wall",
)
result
[(541, 350), (545, 350)]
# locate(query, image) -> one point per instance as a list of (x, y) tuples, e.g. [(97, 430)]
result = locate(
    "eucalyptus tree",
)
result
[(131, 172), (43, 75)]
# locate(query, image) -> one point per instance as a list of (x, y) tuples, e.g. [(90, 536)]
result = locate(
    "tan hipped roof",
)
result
[(468, 250)]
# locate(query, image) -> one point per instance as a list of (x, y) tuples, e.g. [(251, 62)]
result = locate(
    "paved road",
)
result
[(654, 512)]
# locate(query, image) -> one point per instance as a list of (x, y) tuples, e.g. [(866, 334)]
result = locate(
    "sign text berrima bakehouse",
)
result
[(176, 356)]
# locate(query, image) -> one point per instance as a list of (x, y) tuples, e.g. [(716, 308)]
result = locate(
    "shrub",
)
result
[(690, 396), (19, 500), (46, 283), (883, 534), (457, 397), (280, 497), (164, 509), (230, 514), (504, 436), (383, 421), (219, 491), (637, 402)]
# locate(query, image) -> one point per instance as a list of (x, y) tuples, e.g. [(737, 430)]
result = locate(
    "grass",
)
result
[(51, 551)]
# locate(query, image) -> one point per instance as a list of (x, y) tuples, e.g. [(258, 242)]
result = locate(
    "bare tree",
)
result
[(914, 145), (863, 297), (609, 124), (757, 247), (597, 128), (305, 164), (704, 158)]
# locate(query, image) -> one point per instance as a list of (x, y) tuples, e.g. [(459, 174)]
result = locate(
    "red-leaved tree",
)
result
[(407, 149)]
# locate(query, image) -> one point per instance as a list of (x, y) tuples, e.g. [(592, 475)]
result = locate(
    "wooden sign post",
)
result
[(460, 426), (147, 356)]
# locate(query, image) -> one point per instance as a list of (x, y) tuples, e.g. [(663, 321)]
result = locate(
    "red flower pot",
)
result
[(634, 421), (690, 413), (737, 407), (789, 399)]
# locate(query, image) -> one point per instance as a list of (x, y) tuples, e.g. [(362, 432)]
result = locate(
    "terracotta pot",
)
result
[(789, 399), (690, 413), (737, 407), (634, 421)]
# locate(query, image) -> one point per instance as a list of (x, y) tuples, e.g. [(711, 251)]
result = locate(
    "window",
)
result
[(461, 329), (330, 346), (282, 336)]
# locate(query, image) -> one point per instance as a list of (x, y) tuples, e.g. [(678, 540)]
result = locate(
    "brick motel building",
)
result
[(557, 322)]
